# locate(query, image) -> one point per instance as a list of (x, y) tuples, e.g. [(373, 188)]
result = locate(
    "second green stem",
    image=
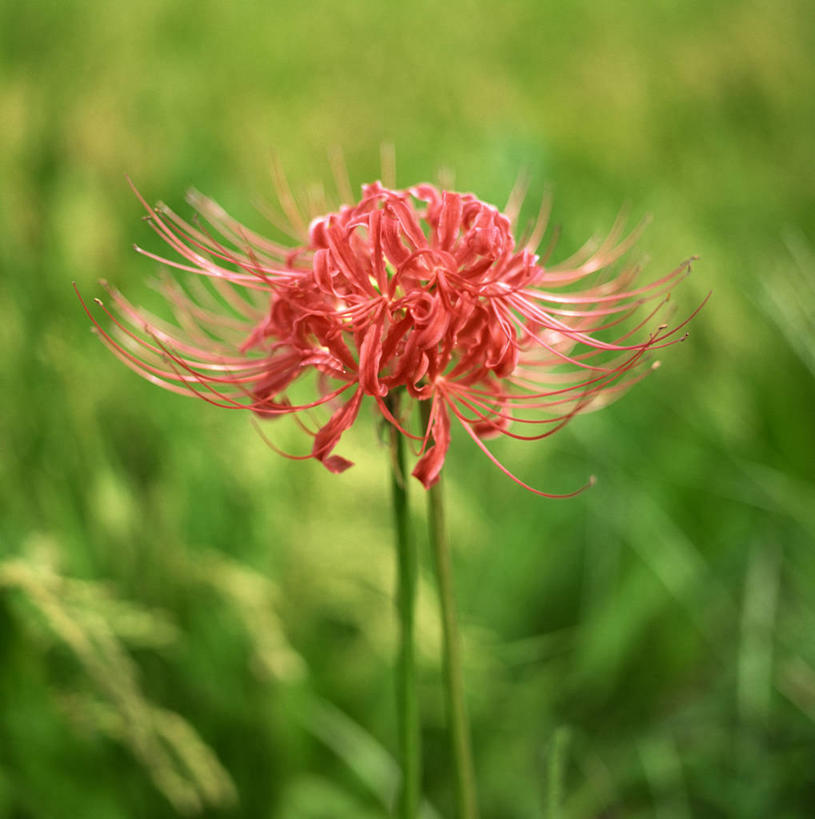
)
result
[(458, 725), (407, 702)]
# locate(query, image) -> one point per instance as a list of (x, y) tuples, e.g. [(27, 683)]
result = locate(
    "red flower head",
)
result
[(421, 291)]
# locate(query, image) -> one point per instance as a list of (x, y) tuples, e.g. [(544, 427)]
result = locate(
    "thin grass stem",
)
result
[(558, 754)]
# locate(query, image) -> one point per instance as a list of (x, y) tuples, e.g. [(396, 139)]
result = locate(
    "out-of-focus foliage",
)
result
[(188, 622)]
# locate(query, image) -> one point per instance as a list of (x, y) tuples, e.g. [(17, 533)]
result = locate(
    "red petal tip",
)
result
[(337, 464)]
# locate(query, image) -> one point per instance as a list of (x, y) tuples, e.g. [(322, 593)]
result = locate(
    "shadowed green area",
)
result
[(190, 625)]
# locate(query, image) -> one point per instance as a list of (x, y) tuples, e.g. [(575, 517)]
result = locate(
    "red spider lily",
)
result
[(420, 291)]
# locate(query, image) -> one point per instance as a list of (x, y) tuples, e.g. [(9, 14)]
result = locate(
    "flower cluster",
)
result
[(418, 291)]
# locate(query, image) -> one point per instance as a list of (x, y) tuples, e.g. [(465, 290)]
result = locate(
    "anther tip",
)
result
[(592, 480), (656, 365)]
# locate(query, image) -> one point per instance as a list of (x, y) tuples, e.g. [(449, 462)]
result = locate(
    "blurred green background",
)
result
[(190, 625)]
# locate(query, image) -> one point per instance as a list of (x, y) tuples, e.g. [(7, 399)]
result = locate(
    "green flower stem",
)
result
[(458, 726), (407, 702)]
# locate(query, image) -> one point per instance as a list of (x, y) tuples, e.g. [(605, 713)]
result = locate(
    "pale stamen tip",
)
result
[(592, 480), (656, 365)]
